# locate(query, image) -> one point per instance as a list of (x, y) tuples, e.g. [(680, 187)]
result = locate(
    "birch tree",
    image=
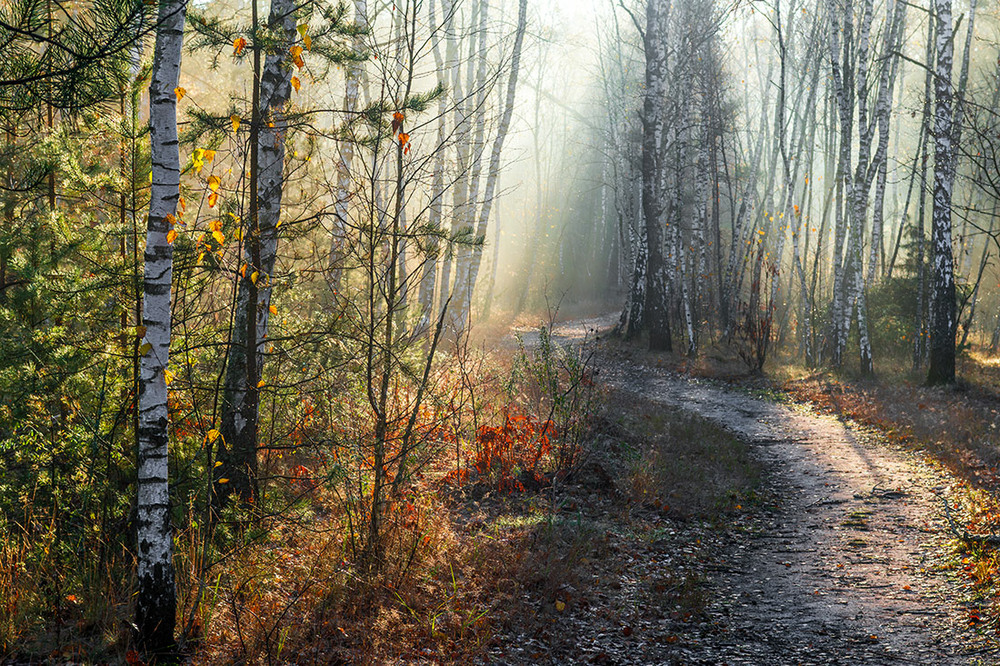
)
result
[(155, 598), (268, 127), (655, 47), (472, 273), (345, 160), (942, 325)]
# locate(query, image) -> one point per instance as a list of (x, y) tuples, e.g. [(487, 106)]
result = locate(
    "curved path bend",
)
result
[(848, 568)]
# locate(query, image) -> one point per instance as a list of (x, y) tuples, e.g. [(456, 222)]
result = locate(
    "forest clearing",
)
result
[(499, 332)]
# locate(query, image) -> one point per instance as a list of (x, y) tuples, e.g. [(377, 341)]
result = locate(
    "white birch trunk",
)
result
[(341, 207), (942, 328), (495, 155), (155, 599), (238, 448), (428, 281)]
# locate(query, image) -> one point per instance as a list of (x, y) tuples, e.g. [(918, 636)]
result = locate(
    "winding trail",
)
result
[(848, 568)]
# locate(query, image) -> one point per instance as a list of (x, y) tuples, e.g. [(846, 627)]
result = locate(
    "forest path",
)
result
[(847, 568)]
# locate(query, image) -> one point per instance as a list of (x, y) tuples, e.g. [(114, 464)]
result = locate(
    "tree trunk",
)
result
[(155, 600), (942, 329), (241, 397), (654, 43), (341, 207), (428, 281), (465, 303)]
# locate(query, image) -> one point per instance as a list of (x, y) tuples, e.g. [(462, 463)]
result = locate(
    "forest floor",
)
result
[(758, 531)]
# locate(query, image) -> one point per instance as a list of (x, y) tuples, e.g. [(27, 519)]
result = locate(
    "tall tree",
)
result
[(345, 163), (155, 601), (472, 272), (655, 47), (268, 127), (942, 325)]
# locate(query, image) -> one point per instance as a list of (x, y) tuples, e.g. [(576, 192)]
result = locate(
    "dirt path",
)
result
[(847, 568)]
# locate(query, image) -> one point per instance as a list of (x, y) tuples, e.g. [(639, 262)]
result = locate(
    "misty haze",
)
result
[(616, 332)]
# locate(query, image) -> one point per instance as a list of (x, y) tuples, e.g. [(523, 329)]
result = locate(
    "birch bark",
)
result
[(654, 44), (238, 448), (155, 599), (942, 328), (345, 162), (494, 164)]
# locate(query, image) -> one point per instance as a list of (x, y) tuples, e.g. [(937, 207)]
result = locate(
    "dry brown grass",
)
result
[(296, 599)]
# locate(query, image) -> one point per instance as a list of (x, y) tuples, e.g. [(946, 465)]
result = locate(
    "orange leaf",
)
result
[(213, 183), (296, 83), (238, 45), (296, 52), (171, 235), (213, 198), (235, 119), (180, 92)]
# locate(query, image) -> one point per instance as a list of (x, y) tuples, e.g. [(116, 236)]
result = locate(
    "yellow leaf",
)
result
[(180, 92), (302, 29), (253, 277), (260, 384), (171, 235), (560, 606), (223, 480), (212, 435), (308, 41), (213, 198), (235, 119), (273, 310), (296, 52), (215, 225), (218, 463), (144, 348), (200, 257), (168, 377), (213, 183), (219, 238), (296, 83)]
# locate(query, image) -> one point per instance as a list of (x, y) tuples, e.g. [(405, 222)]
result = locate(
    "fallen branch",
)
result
[(983, 539)]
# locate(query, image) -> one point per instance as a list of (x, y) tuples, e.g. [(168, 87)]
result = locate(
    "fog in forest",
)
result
[(364, 331)]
